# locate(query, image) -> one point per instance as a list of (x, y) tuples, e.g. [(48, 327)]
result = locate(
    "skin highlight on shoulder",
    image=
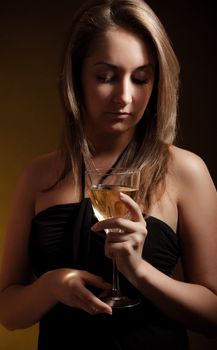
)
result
[(44, 169), (186, 165)]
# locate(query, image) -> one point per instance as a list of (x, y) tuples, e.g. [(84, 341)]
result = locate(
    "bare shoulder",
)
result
[(38, 174), (43, 170), (192, 181), (188, 167)]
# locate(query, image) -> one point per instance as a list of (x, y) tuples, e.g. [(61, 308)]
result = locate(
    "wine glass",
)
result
[(104, 187)]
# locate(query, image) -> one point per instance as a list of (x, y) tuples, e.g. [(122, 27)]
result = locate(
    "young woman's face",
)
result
[(117, 81)]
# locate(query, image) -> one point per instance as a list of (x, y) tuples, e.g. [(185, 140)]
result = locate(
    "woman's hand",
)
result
[(126, 238), (70, 287)]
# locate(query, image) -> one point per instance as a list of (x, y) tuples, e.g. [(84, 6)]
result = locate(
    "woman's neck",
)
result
[(106, 151), (109, 143)]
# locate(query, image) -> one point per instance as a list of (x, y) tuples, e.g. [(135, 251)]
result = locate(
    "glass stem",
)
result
[(115, 281)]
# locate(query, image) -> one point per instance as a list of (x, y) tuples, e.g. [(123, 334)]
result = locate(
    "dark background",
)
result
[(32, 36), (192, 27)]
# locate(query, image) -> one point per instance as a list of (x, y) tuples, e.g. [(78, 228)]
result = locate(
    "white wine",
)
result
[(106, 200), (104, 187)]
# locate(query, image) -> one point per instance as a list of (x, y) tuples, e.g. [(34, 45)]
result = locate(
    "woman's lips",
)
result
[(119, 115)]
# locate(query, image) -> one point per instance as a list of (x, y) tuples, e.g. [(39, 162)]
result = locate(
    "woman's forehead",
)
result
[(118, 47)]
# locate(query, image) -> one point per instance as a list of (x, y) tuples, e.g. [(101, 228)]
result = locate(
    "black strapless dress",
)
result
[(61, 237)]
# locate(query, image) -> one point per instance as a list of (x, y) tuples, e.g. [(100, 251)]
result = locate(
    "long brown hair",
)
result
[(149, 149)]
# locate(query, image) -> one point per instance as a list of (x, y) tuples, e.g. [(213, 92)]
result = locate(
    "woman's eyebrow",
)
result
[(146, 66), (109, 65), (113, 66)]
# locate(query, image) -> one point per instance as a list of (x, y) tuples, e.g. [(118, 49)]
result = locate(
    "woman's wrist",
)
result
[(48, 280)]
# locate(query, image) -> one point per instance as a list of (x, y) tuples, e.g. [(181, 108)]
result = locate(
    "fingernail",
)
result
[(109, 312), (93, 228)]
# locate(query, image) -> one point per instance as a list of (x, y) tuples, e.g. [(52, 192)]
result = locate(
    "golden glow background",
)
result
[(32, 36)]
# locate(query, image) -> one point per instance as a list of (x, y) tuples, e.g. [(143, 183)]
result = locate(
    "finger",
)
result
[(91, 303), (123, 225), (121, 238), (132, 206), (96, 281)]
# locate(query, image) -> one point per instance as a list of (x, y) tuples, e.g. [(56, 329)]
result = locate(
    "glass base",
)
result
[(118, 301)]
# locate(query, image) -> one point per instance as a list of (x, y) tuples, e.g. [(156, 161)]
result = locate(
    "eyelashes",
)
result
[(112, 79), (140, 81), (105, 79)]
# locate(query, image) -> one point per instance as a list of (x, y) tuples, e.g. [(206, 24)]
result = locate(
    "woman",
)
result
[(119, 84)]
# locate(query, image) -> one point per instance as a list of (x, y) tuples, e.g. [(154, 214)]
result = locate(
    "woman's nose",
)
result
[(123, 93)]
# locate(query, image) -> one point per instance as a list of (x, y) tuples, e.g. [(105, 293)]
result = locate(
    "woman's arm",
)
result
[(15, 296), (22, 302), (193, 302)]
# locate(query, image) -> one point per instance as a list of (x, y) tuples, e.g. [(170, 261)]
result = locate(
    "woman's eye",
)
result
[(105, 79), (140, 81)]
